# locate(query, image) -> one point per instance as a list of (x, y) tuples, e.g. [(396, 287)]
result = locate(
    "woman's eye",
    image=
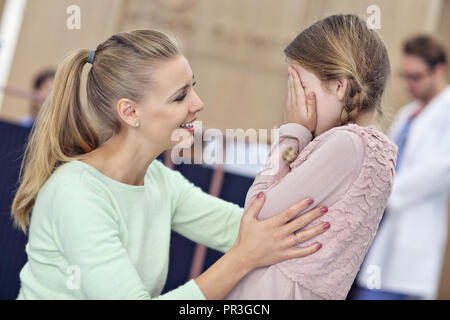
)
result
[(180, 98)]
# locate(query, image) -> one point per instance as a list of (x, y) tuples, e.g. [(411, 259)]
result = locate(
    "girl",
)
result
[(349, 166), (103, 207)]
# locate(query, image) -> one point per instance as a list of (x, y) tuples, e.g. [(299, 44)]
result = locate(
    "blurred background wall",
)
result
[(235, 48)]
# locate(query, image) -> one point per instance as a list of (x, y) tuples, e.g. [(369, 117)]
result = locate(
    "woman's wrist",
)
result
[(218, 281), (240, 260)]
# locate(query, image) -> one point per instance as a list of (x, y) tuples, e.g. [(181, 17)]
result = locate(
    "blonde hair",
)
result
[(63, 131), (343, 47)]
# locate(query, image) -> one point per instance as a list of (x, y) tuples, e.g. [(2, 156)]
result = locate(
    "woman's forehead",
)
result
[(173, 74)]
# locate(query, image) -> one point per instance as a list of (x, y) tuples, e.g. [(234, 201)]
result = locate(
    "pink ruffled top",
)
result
[(350, 169)]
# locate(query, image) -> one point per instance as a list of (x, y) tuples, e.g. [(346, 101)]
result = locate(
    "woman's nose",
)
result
[(198, 105)]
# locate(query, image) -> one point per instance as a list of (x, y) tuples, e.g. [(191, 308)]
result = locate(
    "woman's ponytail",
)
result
[(61, 133)]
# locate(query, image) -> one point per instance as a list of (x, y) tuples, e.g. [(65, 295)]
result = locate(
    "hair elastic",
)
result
[(91, 57)]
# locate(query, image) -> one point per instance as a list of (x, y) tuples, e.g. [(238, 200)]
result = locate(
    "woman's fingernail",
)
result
[(260, 195), (310, 202), (311, 95), (319, 246), (326, 226), (324, 210)]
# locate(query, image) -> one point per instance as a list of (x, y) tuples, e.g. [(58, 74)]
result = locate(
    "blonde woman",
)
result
[(103, 206), (332, 151)]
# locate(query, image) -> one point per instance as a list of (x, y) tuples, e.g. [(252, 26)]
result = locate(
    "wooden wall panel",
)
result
[(236, 48), (44, 39), (2, 6)]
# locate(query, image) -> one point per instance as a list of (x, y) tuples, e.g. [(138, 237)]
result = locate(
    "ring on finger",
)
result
[(297, 243)]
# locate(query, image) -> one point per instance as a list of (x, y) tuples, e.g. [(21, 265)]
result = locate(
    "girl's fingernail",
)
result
[(311, 95), (260, 195), (319, 246), (309, 202), (326, 226), (324, 210)]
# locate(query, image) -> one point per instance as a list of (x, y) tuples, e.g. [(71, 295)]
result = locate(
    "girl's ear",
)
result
[(341, 88)]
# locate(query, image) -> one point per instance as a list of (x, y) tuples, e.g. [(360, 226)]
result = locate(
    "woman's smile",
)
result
[(189, 126)]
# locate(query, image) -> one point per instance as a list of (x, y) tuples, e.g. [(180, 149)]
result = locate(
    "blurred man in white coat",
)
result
[(406, 257)]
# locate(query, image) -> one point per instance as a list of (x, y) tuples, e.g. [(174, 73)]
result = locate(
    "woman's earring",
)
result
[(137, 124)]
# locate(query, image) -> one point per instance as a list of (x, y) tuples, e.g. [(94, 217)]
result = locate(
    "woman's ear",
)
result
[(341, 88), (127, 110)]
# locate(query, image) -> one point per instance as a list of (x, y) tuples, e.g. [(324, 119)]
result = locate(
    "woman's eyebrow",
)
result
[(181, 89)]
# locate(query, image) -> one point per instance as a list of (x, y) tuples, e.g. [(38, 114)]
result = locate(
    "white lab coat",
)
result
[(407, 253)]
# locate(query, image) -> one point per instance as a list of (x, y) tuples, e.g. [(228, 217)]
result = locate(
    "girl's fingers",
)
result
[(299, 91), (311, 105), (305, 219), (292, 89), (289, 213), (289, 100)]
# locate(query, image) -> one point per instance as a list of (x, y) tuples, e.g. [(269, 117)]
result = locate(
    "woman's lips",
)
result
[(189, 126)]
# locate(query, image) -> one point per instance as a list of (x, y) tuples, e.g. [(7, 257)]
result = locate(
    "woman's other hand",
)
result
[(266, 242), (300, 108)]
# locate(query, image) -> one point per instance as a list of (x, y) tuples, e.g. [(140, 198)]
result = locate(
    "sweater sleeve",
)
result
[(291, 135), (200, 217), (325, 175), (85, 224)]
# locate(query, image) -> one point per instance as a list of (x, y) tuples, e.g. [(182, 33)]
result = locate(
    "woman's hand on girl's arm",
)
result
[(300, 108), (261, 243)]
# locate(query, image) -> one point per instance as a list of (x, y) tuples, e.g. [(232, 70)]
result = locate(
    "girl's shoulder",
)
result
[(365, 141), (370, 136)]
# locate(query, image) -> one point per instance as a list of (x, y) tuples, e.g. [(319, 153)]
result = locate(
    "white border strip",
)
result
[(9, 33)]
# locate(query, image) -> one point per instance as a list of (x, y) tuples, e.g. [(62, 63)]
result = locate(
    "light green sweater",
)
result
[(92, 237)]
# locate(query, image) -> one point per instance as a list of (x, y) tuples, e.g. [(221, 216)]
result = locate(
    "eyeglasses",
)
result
[(414, 77)]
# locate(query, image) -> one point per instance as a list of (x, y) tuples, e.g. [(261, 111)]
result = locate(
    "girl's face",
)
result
[(329, 98), (171, 102)]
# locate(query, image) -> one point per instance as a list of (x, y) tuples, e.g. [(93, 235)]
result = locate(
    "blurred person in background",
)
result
[(406, 258), (42, 85)]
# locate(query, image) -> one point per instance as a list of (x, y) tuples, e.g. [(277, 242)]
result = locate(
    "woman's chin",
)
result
[(182, 138)]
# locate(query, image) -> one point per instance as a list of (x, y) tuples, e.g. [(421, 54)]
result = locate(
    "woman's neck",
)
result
[(366, 118), (121, 159)]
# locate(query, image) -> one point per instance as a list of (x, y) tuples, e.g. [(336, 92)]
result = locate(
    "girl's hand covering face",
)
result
[(300, 108)]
